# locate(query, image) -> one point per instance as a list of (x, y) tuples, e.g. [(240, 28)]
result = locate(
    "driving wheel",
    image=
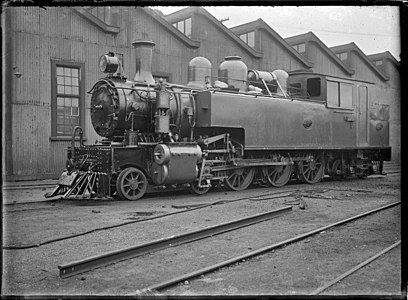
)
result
[(311, 170), (240, 179), (277, 176)]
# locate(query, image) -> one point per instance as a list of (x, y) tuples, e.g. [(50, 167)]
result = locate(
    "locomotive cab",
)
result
[(348, 101)]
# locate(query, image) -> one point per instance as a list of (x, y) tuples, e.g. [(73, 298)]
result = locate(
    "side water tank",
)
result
[(199, 68), (233, 71)]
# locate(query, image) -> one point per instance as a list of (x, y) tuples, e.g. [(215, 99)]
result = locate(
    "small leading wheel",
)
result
[(193, 188), (131, 184), (312, 170), (240, 179), (277, 176)]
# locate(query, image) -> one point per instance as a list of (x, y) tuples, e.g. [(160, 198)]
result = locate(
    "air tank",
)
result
[(233, 71), (198, 69), (256, 76)]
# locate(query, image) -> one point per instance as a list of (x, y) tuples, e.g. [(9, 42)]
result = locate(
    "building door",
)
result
[(362, 115)]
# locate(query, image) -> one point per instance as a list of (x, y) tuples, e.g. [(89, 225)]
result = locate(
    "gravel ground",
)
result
[(302, 267), (34, 271)]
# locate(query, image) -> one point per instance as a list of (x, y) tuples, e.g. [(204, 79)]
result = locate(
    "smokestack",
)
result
[(144, 53)]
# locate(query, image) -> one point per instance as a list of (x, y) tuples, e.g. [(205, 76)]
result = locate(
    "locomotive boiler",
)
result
[(244, 127)]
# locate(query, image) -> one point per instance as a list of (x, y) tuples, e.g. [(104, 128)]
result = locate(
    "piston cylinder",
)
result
[(175, 163)]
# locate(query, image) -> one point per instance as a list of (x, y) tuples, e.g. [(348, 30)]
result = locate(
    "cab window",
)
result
[(313, 87), (346, 95), (339, 94), (333, 94)]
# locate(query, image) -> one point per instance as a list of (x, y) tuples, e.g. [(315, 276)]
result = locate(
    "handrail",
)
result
[(81, 140)]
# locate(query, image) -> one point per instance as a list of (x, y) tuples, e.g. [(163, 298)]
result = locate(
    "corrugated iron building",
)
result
[(50, 61)]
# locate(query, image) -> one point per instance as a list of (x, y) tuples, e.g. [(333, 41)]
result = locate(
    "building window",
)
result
[(378, 62), (248, 38), (339, 94), (342, 56), (67, 104), (184, 26), (101, 12), (301, 48)]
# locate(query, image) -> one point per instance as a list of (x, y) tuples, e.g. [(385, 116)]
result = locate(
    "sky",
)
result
[(373, 29)]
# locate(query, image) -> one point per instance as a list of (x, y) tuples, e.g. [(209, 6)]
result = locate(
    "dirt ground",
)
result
[(71, 230)]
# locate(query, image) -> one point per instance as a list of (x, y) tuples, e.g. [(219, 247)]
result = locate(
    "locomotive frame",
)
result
[(165, 135)]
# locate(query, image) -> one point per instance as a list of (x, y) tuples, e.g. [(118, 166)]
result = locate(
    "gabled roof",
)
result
[(261, 24), (95, 20), (114, 29), (177, 33), (311, 37), (353, 47), (384, 55), (189, 11)]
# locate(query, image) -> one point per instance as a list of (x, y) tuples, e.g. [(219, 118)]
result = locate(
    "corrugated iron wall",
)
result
[(40, 36)]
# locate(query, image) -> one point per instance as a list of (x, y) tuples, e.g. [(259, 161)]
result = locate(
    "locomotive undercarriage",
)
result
[(102, 171)]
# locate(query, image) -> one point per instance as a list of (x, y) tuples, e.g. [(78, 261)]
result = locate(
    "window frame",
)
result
[(340, 99), (340, 54), (318, 87), (184, 23), (378, 63), (54, 95), (245, 38), (297, 46)]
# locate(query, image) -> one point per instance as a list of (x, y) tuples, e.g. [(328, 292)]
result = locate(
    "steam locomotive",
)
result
[(247, 126)]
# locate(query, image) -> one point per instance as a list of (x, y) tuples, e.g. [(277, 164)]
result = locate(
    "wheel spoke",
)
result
[(131, 184), (239, 179), (311, 172)]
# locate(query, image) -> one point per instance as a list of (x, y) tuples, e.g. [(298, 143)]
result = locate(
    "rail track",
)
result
[(88, 264), (352, 270), (283, 193), (187, 210), (287, 192), (108, 258), (173, 281)]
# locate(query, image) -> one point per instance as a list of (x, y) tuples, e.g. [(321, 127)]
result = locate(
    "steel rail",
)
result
[(236, 259), (351, 271), (88, 264), (204, 205)]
